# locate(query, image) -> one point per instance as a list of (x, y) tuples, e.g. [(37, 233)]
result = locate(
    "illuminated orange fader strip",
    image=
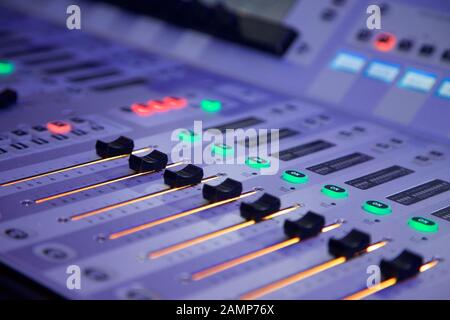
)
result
[(157, 222), (75, 166), (215, 234), (134, 200), (386, 283), (253, 255), (277, 285), (100, 184)]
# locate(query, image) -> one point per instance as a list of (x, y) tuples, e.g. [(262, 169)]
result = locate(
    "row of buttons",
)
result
[(171, 103), (372, 206), (387, 41), (412, 79)]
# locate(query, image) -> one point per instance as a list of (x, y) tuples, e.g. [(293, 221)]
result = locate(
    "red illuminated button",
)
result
[(141, 110), (175, 102), (59, 127), (158, 106), (385, 41)]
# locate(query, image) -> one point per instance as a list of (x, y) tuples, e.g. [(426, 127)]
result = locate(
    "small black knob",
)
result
[(154, 161), (308, 226), (257, 210), (227, 189), (350, 245), (188, 175), (120, 146), (406, 265), (8, 97)]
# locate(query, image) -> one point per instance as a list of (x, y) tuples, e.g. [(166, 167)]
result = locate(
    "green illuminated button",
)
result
[(188, 136), (294, 176), (423, 224), (257, 162), (222, 150), (211, 106), (6, 68), (377, 207), (334, 191)]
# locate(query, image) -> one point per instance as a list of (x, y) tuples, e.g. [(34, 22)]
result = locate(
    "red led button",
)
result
[(158, 106), (175, 102), (141, 110), (385, 41), (59, 127)]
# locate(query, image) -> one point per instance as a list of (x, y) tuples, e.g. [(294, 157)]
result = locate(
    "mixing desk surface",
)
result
[(222, 150)]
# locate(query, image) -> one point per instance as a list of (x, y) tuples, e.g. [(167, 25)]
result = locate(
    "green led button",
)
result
[(211, 106), (294, 176), (257, 162), (377, 207), (422, 224), (334, 191), (188, 136), (6, 68), (222, 150)]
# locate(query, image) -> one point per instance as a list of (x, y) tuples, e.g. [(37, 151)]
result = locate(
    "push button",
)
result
[(59, 127), (6, 68), (257, 162), (385, 42), (222, 150), (294, 176), (211, 106), (188, 136), (334, 191), (422, 224), (377, 207)]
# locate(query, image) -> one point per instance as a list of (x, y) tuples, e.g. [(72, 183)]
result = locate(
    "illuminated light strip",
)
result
[(386, 284), (138, 199), (215, 234), (177, 216), (253, 255), (100, 184), (73, 167), (277, 285)]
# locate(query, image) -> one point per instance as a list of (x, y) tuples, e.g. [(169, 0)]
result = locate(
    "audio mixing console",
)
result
[(355, 188)]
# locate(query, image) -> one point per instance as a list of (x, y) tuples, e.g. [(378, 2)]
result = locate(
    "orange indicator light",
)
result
[(59, 127), (385, 42)]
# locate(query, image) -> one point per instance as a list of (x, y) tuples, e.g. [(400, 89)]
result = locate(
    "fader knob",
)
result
[(8, 97), (350, 245), (227, 189), (308, 226), (405, 265), (188, 175), (120, 146), (155, 160), (264, 206)]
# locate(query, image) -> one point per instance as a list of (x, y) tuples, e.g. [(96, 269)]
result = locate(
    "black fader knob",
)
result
[(350, 245), (8, 97), (188, 175), (227, 189), (120, 146), (308, 226), (405, 265), (257, 210), (153, 161)]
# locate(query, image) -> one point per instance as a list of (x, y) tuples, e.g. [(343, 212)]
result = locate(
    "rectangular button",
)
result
[(382, 71), (417, 80), (444, 89), (348, 62)]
